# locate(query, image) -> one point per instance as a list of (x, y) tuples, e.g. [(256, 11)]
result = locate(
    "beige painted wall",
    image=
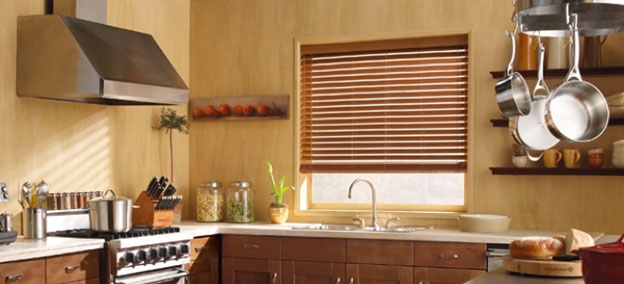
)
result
[(77, 146), (246, 47)]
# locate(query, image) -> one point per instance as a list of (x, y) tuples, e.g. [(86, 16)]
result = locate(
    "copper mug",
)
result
[(592, 52), (595, 158), (571, 157), (527, 59), (552, 157)]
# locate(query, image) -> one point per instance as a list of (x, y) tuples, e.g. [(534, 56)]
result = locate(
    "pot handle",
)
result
[(512, 38), (574, 73), (111, 191), (534, 158)]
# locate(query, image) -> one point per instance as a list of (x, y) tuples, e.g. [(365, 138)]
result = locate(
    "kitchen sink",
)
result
[(328, 227)]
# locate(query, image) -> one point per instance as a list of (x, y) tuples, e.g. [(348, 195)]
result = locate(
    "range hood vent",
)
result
[(65, 58)]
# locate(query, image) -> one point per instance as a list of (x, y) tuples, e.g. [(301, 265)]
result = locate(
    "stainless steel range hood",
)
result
[(65, 58)]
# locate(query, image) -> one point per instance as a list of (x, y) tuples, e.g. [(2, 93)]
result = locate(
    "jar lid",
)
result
[(213, 184), (245, 184), (235, 184)]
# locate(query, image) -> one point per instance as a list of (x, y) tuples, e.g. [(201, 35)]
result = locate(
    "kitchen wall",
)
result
[(77, 146), (246, 47)]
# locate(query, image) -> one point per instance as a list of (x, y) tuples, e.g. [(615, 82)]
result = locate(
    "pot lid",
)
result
[(108, 197), (615, 248)]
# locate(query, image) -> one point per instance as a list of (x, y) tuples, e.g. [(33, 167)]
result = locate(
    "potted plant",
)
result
[(170, 120), (278, 211)]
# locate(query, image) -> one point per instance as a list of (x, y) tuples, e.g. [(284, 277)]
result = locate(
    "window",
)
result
[(394, 112)]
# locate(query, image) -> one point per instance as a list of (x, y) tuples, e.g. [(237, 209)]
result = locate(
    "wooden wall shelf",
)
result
[(503, 122), (603, 71), (557, 171)]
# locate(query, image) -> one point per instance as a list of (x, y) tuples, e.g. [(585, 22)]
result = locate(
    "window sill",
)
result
[(435, 215)]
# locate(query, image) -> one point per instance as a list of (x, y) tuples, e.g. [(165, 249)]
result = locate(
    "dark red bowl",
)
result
[(603, 263)]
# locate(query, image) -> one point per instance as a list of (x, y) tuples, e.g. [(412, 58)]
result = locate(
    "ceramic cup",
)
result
[(596, 160), (571, 157), (520, 161), (552, 157)]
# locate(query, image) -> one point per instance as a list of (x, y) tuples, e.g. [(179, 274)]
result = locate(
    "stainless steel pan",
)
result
[(576, 111), (512, 93), (531, 130)]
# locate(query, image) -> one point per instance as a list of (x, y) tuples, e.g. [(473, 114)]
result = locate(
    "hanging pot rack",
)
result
[(547, 18)]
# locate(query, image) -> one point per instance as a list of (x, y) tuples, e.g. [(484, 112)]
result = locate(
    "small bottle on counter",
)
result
[(240, 203), (210, 202), (67, 201)]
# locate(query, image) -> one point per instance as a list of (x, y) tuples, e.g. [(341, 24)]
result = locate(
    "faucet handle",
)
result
[(361, 221), (392, 220)]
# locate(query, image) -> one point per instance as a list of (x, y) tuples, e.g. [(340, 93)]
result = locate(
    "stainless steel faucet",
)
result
[(374, 193)]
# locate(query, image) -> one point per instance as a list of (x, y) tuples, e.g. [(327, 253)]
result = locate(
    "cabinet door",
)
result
[(379, 274), (248, 271), (23, 272), (73, 267), (204, 270), (444, 276), (306, 272)]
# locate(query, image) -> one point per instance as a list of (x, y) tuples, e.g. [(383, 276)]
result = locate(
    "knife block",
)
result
[(146, 214)]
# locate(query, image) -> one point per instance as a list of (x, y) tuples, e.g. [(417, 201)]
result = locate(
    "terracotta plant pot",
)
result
[(278, 213)]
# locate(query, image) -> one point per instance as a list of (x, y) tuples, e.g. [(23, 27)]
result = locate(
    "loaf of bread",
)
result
[(536, 248), (576, 239)]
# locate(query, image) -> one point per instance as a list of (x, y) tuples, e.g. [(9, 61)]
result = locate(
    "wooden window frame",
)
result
[(303, 198)]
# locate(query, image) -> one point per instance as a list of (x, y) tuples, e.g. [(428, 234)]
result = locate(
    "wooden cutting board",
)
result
[(548, 268)]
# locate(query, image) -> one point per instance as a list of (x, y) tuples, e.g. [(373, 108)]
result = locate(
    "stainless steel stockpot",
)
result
[(110, 213)]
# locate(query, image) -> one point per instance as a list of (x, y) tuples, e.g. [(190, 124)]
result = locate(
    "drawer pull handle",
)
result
[(275, 278), (199, 248), (351, 280), (251, 246), (449, 256), (15, 277), (71, 268), (338, 280)]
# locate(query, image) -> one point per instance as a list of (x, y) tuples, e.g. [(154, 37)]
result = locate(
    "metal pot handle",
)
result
[(574, 73), (111, 191), (540, 87), (512, 38)]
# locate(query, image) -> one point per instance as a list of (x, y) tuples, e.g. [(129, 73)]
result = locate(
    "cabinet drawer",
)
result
[(252, 247), (311, 249), (380, 252), (444, 275), (451, 255), (23, 272), (204, 248), (73, 267)]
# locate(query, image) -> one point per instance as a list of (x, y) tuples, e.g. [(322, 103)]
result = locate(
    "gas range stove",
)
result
[(142, 255)]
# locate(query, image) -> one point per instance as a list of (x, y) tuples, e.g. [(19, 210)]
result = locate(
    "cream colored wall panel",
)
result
[(75, 146), (246, 47)]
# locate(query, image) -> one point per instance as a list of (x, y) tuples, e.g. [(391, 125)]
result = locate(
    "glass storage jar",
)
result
[(240, 203), (210, 202)]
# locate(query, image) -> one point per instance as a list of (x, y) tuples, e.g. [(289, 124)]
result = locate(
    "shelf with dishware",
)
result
[(557, 171), (503, 122), (587, 72)]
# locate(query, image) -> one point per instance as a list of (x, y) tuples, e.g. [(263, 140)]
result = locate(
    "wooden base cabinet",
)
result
[(23, 272), (204, 266), (307, 272), (378, 274), (444, 276), (251, 271)]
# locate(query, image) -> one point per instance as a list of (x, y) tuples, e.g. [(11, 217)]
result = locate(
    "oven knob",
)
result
[(129, 258), (184, 249), (142, 255), (153, 254), (173, 251), (162, 252)]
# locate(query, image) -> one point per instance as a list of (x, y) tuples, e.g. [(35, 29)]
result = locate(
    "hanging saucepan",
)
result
[(512, 93), (531, 130), (576, 111)]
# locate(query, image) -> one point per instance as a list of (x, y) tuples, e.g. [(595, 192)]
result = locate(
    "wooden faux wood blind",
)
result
[(396, 109)]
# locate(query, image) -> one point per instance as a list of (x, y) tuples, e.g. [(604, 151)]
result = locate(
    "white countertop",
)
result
[(435, 234), (28, 249)]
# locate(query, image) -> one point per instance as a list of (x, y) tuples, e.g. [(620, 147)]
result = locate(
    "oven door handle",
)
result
[(159, 279)]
